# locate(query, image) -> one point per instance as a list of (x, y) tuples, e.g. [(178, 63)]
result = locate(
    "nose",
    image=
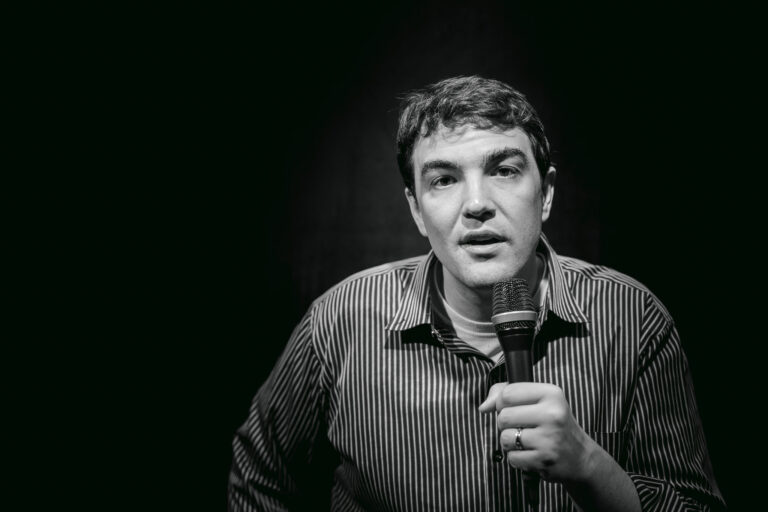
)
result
[(477, 203)]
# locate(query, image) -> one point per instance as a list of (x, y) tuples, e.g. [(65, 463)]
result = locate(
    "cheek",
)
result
[(438, 218), (527, 208)]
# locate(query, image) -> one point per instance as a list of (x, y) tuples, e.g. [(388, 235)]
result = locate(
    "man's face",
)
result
[(479, 200)]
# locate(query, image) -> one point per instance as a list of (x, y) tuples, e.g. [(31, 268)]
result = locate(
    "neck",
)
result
[(477, 303)]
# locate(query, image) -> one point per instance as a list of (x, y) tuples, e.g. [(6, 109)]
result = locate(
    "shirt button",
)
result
[(498, 456)]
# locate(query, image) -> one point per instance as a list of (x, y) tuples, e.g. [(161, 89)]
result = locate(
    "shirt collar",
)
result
[(416, 308), (559, 298)]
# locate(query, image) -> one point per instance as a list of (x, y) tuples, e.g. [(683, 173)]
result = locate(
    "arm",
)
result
[(273, 448), (668, 467), (557, 448), (606, 486), (668, 460)]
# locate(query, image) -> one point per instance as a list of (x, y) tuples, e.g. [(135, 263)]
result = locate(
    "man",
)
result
[(391, 394)]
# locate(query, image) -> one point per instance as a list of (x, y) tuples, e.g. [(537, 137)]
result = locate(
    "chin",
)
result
[(489, 277)]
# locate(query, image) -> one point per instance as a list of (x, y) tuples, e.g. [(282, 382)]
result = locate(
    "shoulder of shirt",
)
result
[(576, 269), (404, 270)]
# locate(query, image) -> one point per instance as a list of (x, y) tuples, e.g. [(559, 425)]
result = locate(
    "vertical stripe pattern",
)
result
[(372, 407)]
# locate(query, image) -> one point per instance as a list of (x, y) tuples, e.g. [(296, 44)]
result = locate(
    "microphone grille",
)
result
[(512, 295)]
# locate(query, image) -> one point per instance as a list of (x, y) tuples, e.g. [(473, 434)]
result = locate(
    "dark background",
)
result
[(260, 144)]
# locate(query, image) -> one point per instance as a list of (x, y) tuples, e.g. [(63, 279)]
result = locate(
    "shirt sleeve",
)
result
[(668, 460), (273, 449)]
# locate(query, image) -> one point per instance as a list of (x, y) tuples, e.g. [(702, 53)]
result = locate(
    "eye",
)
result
[(443, 181), (506, 172)]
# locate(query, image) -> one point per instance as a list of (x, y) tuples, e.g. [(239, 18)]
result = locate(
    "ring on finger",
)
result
[(519, 440)]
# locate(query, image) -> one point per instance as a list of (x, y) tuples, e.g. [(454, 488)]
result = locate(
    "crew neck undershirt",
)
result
[(479, 335)]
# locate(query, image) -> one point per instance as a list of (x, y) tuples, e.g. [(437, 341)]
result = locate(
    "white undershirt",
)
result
[(479, 335)]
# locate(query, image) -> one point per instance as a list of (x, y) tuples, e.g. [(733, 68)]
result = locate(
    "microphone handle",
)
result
[(519, 366), (516, 344)]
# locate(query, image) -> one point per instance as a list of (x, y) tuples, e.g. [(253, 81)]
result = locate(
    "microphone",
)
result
[(514, 318)]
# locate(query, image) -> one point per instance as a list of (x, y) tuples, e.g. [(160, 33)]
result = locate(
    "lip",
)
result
[(482, 238), (482, 243)]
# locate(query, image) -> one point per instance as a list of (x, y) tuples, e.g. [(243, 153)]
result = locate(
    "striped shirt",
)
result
[(372, 406)]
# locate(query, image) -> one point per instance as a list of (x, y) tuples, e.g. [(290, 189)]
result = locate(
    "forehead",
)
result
[(466, 145)]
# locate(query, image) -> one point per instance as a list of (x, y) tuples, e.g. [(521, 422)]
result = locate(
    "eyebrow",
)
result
[(502, 154), (438, 164)]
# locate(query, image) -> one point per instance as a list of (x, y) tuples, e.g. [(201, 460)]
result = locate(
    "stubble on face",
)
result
[(478, 199)]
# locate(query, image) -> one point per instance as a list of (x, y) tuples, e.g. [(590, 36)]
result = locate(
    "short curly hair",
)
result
[(466, 100)]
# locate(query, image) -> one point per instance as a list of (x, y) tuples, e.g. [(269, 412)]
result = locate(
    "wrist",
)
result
[(590, 462), (601, 483)]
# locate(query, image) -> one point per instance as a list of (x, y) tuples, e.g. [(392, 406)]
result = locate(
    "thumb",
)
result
[(490, 403)]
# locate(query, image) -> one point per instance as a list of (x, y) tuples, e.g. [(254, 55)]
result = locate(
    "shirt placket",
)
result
[(502, 479)]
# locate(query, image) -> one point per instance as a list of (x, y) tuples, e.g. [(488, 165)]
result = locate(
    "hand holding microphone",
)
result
[(536, 425)]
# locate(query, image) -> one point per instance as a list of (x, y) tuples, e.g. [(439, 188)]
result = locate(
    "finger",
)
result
[(530, 438), (526, 416), (525, 393), (490, 403), (526, 460)]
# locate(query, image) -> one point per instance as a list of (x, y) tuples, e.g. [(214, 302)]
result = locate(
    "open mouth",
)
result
[(482, 239)]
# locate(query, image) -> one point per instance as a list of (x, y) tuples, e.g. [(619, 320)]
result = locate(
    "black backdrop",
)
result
[(272, 176)]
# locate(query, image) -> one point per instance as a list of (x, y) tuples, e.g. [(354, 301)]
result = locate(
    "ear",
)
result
[(548, 191), (415, 211)]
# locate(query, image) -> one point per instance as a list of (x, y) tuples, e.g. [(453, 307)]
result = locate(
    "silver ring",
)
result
[(518, 440)]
